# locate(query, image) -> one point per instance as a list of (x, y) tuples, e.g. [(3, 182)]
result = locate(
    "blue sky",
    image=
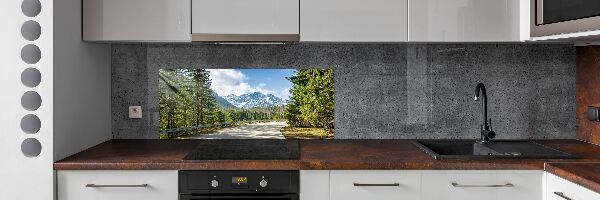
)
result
[(243, 81)]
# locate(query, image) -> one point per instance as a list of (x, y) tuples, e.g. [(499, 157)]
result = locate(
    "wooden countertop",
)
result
[(314, 154), (331, 155), (584, 174)]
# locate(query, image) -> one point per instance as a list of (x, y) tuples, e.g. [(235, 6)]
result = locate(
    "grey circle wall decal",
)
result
[(31, 100), (31, 54), (31, 30), (31, 77), (31, 124), (31, 147), (31, 8)]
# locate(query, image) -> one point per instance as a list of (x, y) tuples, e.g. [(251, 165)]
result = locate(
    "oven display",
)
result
[(239, 181)]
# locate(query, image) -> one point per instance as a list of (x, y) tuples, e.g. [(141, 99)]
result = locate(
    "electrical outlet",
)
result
[(135, 112)]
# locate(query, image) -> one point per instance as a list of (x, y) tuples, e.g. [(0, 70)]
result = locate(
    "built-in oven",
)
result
[(553, 17), (237, 185)]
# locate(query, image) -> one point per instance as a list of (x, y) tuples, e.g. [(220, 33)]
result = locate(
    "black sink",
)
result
[(471, 149)]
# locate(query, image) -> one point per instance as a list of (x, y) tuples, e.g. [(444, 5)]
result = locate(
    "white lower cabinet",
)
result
[(435, 185), (117, 185), (482, 185), (314, 185), (560, 189), (375, 185), (341, 185)]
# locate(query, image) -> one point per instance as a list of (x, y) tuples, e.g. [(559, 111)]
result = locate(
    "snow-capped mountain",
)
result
[(253, 100), (222, 102)]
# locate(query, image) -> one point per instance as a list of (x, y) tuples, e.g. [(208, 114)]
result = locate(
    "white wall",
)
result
[(82, 75), (82, 83), (21, 177)]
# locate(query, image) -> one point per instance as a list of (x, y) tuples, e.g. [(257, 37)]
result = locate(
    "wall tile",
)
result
[(383, 90)]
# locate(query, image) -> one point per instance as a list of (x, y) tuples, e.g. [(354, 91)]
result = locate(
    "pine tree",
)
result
[(311, 102)]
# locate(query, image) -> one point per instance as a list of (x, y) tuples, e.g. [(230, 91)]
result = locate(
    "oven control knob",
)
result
[(214, 183), (263, 183)]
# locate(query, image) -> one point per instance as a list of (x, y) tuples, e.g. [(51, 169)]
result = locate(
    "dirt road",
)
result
[(267, 130)]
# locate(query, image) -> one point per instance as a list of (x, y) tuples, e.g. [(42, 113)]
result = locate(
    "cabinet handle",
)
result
[(498, 185), (560, 194), (115, 186), (376, 185)]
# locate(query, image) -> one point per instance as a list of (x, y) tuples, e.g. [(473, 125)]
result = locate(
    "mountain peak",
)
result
[(253, 100), (222, 102)]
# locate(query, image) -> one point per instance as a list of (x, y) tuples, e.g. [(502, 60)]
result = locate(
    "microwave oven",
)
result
[(556, 17)]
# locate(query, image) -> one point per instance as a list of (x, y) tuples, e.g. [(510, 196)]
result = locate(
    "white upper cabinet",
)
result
[(353, 20), (136, 20), (307, 20), (468, 20), (245, 20)]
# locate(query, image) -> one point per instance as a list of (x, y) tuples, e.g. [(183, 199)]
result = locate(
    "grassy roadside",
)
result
[(290, 132)]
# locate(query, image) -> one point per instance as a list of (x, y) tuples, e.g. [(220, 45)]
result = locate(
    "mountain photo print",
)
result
[(246, 103)]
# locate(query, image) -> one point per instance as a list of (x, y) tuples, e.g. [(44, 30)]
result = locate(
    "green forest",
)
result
[(188, 106), (311, 102)]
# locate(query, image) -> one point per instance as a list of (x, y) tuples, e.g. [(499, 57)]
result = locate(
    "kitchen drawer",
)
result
[(482, 185), (375, 185), (560, 189), (162, 185)]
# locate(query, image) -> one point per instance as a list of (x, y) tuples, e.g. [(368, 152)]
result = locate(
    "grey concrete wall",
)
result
[(382, 90)]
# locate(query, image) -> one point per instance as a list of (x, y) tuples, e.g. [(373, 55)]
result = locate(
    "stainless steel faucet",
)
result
[(486, 129)]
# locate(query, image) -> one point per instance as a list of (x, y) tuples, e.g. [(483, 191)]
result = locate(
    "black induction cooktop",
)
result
[(245, 149)]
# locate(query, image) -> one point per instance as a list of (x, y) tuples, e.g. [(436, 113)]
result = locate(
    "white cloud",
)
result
[(284, 94), (230, 81)]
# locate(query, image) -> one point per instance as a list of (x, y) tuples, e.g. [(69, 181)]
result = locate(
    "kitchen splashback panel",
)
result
[(381, 90)]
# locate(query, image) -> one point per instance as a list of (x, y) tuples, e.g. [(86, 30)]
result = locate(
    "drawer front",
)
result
[(482, 185), (117, 185), (376, 185), (560, 189)]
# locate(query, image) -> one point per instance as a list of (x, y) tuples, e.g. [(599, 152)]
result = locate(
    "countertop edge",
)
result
[(573, 177)]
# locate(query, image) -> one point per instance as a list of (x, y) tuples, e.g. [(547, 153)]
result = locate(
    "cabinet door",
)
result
[(136, 20), (245, 17), (468, 20), (117, 185), (314, 185), (353, 20), (561, 189), (376, 185), (482, 185)]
